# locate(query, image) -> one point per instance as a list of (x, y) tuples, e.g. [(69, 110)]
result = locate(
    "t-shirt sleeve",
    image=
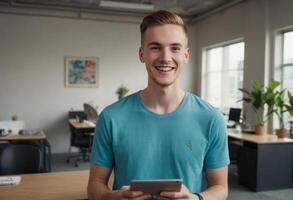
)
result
[(102, 153), (217, 154)]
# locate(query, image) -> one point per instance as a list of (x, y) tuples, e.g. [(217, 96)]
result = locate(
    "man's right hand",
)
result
[(125, 193)]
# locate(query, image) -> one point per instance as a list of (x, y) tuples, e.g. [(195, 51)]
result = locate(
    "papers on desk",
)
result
[(10, 180), (89, 123), (30, 132), (13, 126)]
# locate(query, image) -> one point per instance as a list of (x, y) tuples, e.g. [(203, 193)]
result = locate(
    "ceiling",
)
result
[(185, 8)]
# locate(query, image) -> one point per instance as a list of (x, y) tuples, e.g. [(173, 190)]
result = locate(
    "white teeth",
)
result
[(164, 69)]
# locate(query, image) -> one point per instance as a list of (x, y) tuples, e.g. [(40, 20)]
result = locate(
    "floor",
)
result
[(59, 163), (236, 192)]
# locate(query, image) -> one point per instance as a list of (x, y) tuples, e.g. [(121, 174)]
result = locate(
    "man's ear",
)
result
[(141, 57), (186, 55)]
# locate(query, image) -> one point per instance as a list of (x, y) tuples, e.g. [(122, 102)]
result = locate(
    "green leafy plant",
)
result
[(259, 97), (271, 95), (289, 105), (256, 98), (280, 107), (121, 91), (14, 117)]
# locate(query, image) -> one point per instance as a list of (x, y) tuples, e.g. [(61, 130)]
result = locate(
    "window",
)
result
[(285, 72), (287, 61), (223, 75)]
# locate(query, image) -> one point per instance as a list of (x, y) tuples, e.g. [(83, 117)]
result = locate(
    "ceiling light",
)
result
[(126, 5)]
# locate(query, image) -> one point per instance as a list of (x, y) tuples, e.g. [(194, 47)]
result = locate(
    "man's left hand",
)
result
[(183, 194)]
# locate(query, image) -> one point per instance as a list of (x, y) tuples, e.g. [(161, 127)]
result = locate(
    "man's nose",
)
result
[(166, 55)]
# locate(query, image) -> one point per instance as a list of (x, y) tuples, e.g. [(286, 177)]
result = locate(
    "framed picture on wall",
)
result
[(81, 71)]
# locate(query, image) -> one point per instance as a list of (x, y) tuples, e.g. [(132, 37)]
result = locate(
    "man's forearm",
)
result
[(215, 192), (99, 191)]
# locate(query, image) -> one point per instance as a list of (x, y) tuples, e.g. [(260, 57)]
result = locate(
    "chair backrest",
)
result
[(73, 114), (234, 114), (19, 159), (90, 112)]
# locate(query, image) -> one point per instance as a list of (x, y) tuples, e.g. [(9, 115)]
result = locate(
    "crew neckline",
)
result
[(180, 107)]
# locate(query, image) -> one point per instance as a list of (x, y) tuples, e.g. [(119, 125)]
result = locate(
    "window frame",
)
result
[(278, 71), (283, 65), (206, 72)]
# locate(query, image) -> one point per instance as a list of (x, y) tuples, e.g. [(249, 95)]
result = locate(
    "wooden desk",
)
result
[(83, 131), (40, 139), (82, 128), (259, 139), (58, 185), (10, 137), (265, 162), (81, 125)]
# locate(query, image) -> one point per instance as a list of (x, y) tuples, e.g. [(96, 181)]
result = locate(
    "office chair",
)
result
[(19, 159), (79, 139), (234, 145), (44, 146)]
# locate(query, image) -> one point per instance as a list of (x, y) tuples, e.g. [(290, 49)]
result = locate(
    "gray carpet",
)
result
[(59, 163), (236, 192)]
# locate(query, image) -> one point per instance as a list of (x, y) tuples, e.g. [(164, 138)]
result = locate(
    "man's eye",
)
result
[(155, 48), (176, 49)]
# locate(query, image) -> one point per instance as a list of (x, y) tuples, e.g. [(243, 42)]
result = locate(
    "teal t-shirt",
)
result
[(140, 144)]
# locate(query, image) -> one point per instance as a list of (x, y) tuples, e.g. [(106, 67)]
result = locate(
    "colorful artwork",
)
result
[(81, 71)]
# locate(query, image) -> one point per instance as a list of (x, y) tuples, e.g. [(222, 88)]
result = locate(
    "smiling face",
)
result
[(164, 51)]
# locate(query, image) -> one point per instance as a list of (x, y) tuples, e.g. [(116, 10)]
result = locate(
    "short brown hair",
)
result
[(161, 17)]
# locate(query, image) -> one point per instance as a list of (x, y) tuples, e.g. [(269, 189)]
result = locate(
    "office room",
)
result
[(63, 62)]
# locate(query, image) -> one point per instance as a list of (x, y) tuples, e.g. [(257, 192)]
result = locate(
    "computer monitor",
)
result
[(90, 112), (234, 114), (234, 117)]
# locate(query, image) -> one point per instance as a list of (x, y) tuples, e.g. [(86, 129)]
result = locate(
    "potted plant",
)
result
[(289, 105), (279, 111), (14, 117), (259, 97), (121, 91), (289, 109)]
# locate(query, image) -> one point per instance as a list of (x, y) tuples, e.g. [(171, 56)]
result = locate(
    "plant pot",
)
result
[(260, 129), (281, 133)]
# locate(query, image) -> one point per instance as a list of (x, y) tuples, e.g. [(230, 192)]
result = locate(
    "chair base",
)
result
[(82, 156)]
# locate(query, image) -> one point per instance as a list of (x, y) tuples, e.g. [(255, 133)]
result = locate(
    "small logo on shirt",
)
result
[(188, 144)]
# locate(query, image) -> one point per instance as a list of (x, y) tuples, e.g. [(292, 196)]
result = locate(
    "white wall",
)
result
[(32, 51), (255, 22), (280, 17), (219, 27)]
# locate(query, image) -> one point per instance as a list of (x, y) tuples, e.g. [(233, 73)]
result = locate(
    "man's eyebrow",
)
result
[(153, 43), (176, 44), (158, 44)]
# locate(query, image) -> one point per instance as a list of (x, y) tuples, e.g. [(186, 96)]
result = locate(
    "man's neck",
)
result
[(162, 100)]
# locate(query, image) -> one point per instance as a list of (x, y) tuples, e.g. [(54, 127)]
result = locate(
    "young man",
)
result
[(161, 132)]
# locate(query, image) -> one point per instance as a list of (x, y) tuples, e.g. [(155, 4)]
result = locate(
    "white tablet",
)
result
[(156, 186)]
